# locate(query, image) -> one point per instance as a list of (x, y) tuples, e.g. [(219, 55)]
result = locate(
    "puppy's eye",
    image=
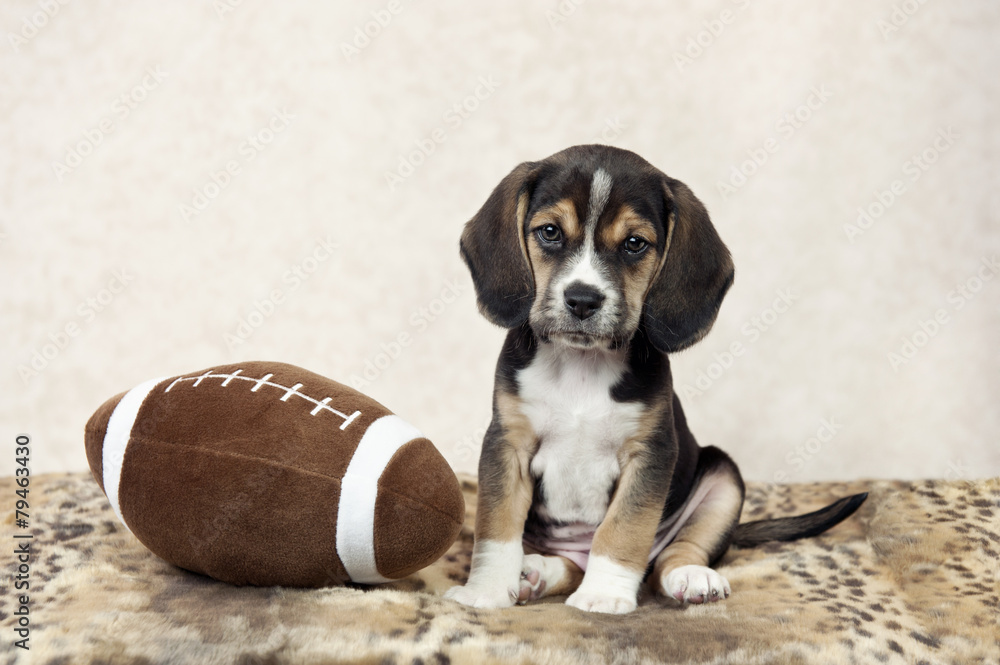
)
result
[(635, 245), (550, 233)]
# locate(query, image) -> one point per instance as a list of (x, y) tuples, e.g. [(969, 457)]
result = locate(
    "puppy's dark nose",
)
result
[(583, 300)]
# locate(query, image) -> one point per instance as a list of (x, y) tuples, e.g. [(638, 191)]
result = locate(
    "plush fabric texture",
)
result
[(229, 474), (911, 578)]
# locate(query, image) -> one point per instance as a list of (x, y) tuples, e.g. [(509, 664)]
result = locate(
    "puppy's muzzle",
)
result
[(583, 300)]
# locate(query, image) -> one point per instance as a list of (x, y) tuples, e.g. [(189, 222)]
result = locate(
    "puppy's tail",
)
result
[(749, 534)]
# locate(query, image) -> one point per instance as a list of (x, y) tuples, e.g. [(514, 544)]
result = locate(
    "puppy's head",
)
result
[(590, 244)]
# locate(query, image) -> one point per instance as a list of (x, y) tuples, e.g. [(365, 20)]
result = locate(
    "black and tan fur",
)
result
[(539, 228)]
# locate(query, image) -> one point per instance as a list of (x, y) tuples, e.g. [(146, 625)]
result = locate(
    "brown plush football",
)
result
[(265, 473)]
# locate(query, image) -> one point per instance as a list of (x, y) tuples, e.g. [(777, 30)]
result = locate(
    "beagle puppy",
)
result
[(600, 266)]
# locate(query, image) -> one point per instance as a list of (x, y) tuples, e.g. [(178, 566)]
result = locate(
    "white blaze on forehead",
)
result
[(584, 267), (600, 191)]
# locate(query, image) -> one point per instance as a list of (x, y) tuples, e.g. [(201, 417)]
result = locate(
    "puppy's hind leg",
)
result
[(543, 575), (681, 570)]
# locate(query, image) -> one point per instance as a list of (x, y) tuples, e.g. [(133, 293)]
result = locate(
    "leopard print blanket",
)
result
[(911, 578)]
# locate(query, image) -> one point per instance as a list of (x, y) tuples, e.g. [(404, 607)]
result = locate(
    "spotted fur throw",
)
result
[(911, 578)]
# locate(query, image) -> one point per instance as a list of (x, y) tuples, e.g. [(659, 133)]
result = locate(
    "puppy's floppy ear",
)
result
[(695, 274), (493, 247)]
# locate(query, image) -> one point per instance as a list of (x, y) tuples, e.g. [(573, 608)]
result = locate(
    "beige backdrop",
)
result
[(177, 176)]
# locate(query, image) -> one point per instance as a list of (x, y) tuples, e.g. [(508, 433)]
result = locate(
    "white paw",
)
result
[(696, 584), (533, 583), (538, 574), (481, 596), (598, 602)]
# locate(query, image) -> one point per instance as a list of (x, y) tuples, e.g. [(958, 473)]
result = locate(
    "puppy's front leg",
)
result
[(620, 552), (505, 489)]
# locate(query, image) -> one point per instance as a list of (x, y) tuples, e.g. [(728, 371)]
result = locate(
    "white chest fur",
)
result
[(567, 397)]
